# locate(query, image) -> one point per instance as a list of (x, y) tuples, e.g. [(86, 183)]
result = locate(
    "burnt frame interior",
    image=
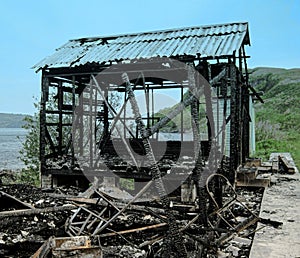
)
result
[(71, 81)]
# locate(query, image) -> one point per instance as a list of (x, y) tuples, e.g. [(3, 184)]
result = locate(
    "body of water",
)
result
[(11, 140), (175, 136)]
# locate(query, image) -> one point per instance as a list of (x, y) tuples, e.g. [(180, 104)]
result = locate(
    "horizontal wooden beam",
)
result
[(29, 212)]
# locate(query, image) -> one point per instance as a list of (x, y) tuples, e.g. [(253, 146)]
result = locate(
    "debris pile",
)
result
[(135, 230), (103, 221), (29, 216)]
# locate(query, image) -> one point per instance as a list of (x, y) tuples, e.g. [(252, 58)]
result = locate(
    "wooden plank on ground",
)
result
[(27, 205), (257, 182), (288, 168), (29, 212), (133, 230)]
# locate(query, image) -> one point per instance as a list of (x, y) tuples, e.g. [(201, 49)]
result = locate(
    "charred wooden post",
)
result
[(235, 137), (174, 234), (59, 129), (43, 130), (246, 124)]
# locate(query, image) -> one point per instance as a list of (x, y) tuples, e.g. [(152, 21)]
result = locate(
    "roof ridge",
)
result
[(208, 40), (86, 39)]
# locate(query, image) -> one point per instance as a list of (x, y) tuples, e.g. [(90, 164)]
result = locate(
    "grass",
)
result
[(278, 119)]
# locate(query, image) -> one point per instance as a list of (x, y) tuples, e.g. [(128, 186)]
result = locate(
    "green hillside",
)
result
[(278, 119), (11, 120)]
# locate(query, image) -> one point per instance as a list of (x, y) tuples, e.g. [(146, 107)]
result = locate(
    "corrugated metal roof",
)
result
[(213, 41)]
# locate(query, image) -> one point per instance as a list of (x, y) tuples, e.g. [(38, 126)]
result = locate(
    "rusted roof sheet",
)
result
[(211, 41)]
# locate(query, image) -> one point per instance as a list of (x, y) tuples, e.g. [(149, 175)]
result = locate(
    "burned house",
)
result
[(163, 118), (158, 61)]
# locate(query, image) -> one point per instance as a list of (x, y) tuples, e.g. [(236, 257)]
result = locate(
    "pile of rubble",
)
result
[(70, 221), (28, 217), (31, 216)]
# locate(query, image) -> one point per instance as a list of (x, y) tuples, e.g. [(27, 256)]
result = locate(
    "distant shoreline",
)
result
[(11, 127), (11, 142), (12, 120)]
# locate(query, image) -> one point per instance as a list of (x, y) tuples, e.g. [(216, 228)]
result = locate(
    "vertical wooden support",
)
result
[(236, 123), (234, 57), (198, 170), (105, 111), (181, 115), (95, 121), (124, 117), (91, 125), (224, 94), (73, 117), (44, 99), (80, 124), (194, 115), (242, 117), (210, 115), (147, 104), (217, 117), (173, 234), (60, 95), (245, 64), (152, 107), (246, 97), (234, 141), (239, 119), (240, 61), (246, 124)]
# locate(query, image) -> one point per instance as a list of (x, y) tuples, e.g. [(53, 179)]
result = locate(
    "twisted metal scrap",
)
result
[(174, 235)]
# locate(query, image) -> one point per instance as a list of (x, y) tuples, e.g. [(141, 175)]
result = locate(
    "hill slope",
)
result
[(278, 119), (11, 120)]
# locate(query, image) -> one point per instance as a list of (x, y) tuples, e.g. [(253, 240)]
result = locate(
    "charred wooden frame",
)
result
[(61, 88), (70, 92)]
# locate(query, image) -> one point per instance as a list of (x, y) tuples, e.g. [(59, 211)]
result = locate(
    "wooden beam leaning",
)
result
[(155, 172), (118, 129)]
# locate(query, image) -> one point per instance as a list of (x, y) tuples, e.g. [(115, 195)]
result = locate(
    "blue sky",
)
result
[(31, 30)]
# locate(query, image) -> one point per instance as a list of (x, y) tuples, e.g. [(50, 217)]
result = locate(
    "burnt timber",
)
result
[(130, 64)]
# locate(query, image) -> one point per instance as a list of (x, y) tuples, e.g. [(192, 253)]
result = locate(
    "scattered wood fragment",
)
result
[(44, 250), (89, 192), (273, 223), (284, 165), (27, 205), (95, 201), (257, 182), (134, 230), (29, 212)]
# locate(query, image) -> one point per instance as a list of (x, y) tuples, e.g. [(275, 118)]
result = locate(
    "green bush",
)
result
[(29, 153)]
